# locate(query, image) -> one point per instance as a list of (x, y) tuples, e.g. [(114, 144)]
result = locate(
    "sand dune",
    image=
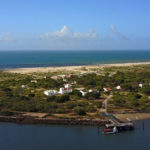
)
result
[(71, 68)]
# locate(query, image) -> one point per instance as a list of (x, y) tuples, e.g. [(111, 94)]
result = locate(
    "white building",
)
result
[(50, 92), (33, 81), (140, 85), (107, 89), (44, 77), (83, 93), (65, 90), (65, 80), (90, 91), (118, 87), (80, 89), (67, 86), (24, 86)]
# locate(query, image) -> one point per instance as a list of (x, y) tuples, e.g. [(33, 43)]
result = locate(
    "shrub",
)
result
[(92, 95), (77, 93), (82, 103), (6, 112), (51, 98), (60, 110), (118, 100), (63, 98), (31, 95), (98, 104), (71, 105), (80, 111), (90, 108)]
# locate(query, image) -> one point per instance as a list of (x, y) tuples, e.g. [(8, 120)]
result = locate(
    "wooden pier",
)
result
[(115, 122), (120, 126)]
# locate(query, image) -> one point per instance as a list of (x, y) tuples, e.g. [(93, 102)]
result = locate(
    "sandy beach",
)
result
[(72, 68), (133, 116)]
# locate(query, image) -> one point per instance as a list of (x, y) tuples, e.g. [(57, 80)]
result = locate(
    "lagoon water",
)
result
[(58, 137), (17, 59)]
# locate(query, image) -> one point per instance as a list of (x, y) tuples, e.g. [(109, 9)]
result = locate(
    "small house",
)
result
[(83, 93), (118, 87), (33, 81), (90, 91), (24, 86), (140, 85), (65, 90), (107, 89), (50, 92)]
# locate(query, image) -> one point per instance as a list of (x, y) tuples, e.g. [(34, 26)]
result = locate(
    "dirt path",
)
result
[(104, 105)]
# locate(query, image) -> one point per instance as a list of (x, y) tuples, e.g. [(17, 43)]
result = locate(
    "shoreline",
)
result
[(52, 121), (71, 68), (27, 119), (133, 116)]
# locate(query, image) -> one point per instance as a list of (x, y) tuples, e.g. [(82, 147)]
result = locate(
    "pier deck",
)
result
[(118, 124)]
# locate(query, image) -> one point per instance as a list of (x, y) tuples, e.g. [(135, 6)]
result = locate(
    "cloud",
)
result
[(117, 33), (67, 39), (6, 37), (66, 33)]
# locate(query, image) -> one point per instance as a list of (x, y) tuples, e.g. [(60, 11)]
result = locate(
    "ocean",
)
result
[(24, 59), (58, 137)]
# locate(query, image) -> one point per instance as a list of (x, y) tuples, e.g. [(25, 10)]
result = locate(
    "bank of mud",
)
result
[(53, 121)]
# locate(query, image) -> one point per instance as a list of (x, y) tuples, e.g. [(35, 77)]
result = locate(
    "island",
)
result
[(75, 94)]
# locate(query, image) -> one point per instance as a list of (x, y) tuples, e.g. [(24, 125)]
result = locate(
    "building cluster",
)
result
[(63, 77), (84, 92), (108, 89), (66, 89)]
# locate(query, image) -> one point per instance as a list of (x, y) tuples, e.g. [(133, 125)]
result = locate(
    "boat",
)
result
[(110, 131)]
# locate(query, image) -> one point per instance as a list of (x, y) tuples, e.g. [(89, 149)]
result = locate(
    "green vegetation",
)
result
[(30, 97), (80, 111)]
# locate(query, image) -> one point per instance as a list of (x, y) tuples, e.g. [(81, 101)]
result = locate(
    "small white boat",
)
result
[(110, 131)]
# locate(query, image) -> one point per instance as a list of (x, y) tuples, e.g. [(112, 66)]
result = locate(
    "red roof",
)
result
[(108, 89), (68, 88)]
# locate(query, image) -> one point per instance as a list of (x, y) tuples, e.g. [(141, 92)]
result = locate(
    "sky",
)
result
[(74, 25)]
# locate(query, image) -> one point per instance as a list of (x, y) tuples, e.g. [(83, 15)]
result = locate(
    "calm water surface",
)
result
[(17, 59), (53, 137)]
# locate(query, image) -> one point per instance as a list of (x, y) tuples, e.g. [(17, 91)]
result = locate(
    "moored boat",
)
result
[(110, 131)]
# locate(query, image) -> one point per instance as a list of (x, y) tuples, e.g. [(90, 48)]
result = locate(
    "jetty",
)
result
[(120, 125), (113, 121)]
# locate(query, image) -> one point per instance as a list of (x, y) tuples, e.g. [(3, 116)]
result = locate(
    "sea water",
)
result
[(23, 59)]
